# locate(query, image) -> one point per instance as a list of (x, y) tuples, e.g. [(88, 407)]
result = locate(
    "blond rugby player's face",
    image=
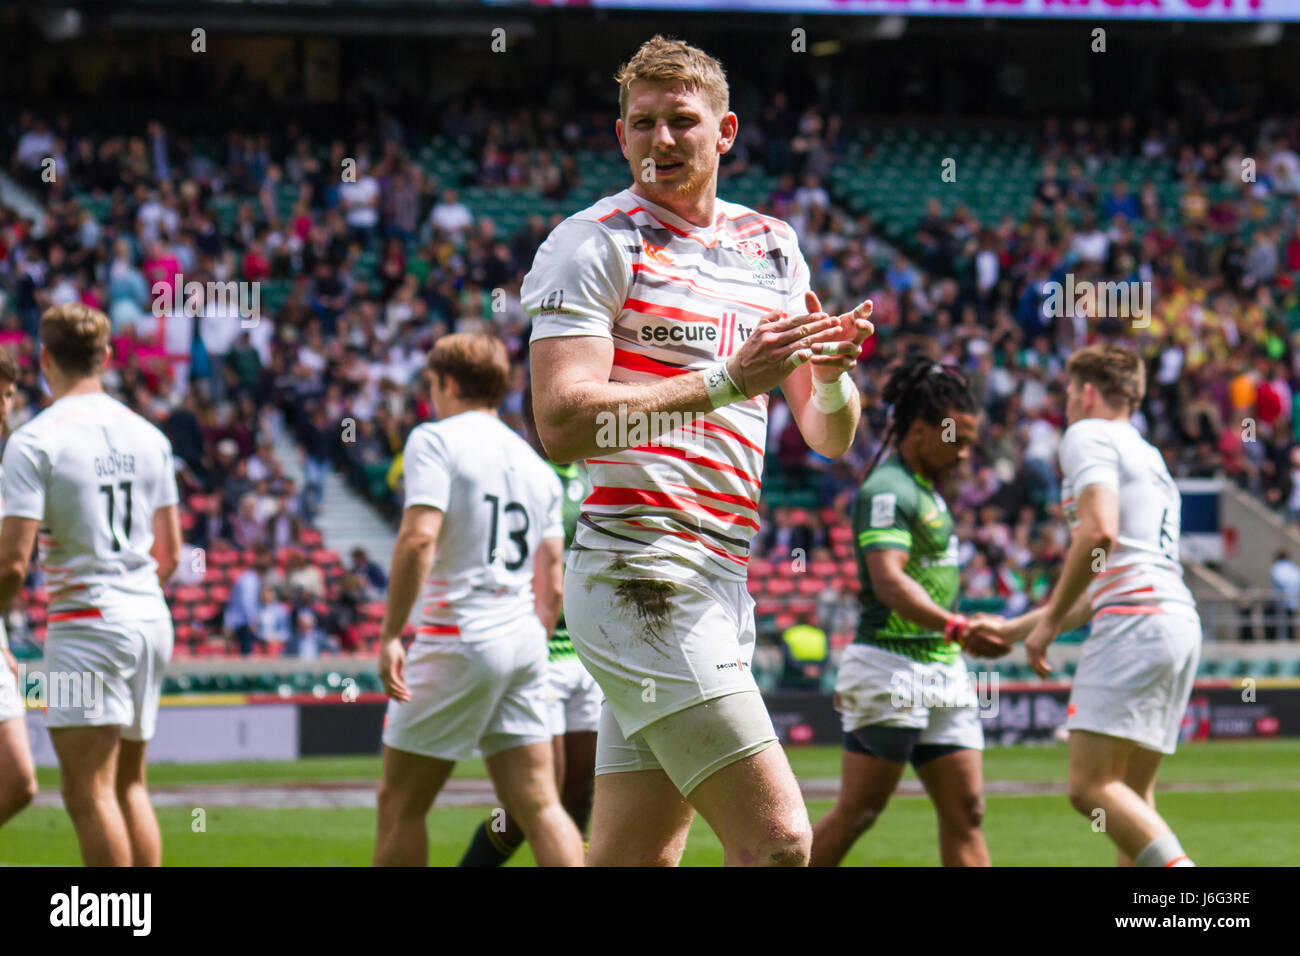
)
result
[(672, 139)]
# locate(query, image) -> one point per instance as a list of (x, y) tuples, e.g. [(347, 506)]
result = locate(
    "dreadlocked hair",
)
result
[(919, 387)]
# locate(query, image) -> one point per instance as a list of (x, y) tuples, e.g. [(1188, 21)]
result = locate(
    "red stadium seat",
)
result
[(784, 622), (310, 538), (324, 558), (810, 586), (189, 594), (841, 534), (755, 585), (852, 583), (849, 569), (768, 607), (785, 569), (803, 606), (184, 634), (375, 610), (779, 587), (760, 568), (219, 594), (180, 612), (206, 612), (37, 615), (841, 639), (824, 569), (187, 521), (223, 558), (197, 502)]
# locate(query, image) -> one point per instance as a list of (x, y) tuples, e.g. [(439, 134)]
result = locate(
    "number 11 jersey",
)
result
[(499, 501), (93, 473)]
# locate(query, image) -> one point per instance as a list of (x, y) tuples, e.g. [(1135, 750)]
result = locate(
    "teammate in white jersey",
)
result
[(1122, 572), (97, 483), (482, 537), (661, 318), (17, 770)]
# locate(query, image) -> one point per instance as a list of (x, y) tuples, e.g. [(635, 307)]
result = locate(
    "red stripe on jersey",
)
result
[(743, 562), (741, 500), (1146, 590), (616, 212), (714, 426), (681, 453), (603, 495), (642, 363), (75, 615), (444, 629), (668, 311), (1130, 609), (675, 231), (698, 289)]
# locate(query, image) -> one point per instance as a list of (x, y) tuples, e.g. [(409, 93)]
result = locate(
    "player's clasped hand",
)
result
[(832, 358), (985, 636), (392, 669), (777, 347)]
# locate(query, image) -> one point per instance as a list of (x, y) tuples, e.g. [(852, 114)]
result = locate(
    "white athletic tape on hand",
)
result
[(835, 348), (798, 358), (832, 396), (722, 390)]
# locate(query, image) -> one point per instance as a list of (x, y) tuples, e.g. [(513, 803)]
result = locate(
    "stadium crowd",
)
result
[(338, 360)]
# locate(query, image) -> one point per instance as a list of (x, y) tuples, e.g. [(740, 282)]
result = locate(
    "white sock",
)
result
[(1163, 851)]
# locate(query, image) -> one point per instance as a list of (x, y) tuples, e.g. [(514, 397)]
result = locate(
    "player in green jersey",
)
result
[(902, 687), (575, 705)]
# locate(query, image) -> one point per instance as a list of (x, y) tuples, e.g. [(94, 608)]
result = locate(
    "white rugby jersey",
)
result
[(499, 501), (674, 298), (4, 633), (93, 472), (1143, 573)]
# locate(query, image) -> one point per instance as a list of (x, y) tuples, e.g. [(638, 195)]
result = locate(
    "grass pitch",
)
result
[(1242, 810)]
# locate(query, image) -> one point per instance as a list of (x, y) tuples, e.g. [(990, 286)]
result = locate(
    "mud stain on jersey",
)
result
[(650, 602)]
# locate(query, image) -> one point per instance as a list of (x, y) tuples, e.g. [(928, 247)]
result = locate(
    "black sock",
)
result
[(488, 848)]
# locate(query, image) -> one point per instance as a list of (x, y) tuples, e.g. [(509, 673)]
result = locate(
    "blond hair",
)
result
[(478, 364), (77, 338), (1116, 372), (661, 60)]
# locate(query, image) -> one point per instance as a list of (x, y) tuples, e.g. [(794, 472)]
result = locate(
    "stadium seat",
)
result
[(190, 594)]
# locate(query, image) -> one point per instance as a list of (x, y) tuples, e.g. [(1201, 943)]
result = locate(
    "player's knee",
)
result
[(968, 814), (787, 845), (1081, 796), (397, 803), (20, 793), (861, 817)]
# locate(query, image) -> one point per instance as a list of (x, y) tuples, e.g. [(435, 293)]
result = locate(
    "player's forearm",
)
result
[(589, 419), (412, 558), (910, 601), (829, 433), (1080, 561)]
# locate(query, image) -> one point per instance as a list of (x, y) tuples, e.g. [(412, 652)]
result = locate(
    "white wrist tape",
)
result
[(832, 396), (720, 387)]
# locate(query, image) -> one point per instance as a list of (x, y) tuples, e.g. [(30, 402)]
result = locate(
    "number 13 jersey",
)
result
[(499, 501), (1142, 573)]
